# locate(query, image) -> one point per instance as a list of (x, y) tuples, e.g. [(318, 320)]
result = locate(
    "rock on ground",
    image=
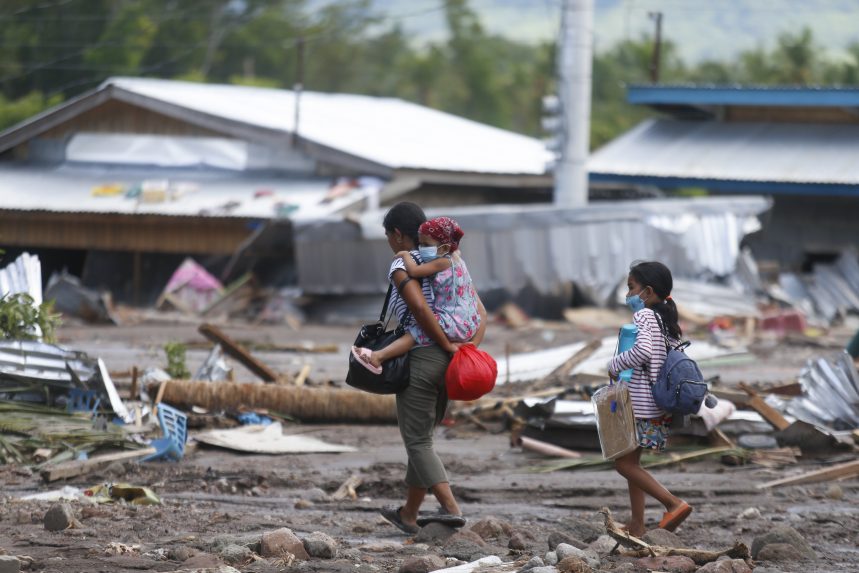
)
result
[(573, 565), (434, 533), (181, 553), (218, 569), (202, 561), (276, 543), (780, 552), (236, 554), (783, 534), (662, 537), (556, 538), (582, 529), (319, 544), (465, 545), (545, 569), (521, 540), (423, 564), (672, 564), (551, 558), (563, 551), (531, 564), (603, 545), (726, 566), (59, 517), (9, 564), (491, 528)]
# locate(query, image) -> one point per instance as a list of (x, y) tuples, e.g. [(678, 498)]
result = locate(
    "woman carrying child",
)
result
[(454, 301), (655, 316), (421, 406)]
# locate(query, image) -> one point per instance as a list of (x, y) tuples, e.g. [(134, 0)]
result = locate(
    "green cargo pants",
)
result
[(420, 407)]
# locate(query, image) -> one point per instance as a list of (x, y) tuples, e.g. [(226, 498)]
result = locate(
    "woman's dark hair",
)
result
[(406, 217), (657, 276)]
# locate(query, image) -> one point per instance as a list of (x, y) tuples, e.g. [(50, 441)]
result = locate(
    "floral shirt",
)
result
[(454, 303)]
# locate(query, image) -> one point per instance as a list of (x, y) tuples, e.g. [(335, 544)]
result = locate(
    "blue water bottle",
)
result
[(625, 341)]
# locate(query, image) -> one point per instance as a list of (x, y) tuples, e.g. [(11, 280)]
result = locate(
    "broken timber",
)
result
[(766, 411), (642, 549), (839, 471), (238, 352), (348, 488), (562, 372), (75, 468), (306, 404)]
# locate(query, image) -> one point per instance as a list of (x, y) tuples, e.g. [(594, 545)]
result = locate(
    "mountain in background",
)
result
[(701, 29)]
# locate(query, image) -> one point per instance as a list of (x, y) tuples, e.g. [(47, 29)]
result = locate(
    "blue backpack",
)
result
[(680, 387)]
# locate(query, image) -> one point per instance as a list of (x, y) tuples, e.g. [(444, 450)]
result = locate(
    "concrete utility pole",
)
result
[(657, 47), (575, 53), (298, 87)]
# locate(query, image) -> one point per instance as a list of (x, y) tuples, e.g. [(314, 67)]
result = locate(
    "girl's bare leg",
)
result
[(641, 482), (398, 347)]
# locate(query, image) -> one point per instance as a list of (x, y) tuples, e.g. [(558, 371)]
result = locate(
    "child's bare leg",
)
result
[(629, 466), (397, 348)]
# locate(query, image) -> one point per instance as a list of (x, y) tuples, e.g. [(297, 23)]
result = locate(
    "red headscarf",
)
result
[(444, 230)]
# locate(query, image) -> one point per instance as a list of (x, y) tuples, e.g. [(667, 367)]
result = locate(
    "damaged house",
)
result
[(122, 183)]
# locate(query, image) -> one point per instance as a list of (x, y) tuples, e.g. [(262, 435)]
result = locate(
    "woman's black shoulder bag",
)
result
[(395, 372)]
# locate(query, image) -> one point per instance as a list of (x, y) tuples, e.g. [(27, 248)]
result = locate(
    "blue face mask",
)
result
[(428, 253), (634, 303)]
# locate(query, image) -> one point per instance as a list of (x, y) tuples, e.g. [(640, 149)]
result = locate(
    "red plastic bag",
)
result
[(471, 374)]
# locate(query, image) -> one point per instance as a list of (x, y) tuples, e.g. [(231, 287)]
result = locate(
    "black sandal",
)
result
[(442, 517), (392, 514)]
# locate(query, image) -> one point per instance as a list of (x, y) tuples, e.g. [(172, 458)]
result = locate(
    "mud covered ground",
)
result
[(215, 502)]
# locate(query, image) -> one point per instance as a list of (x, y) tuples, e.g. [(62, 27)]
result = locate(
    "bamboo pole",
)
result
[(329, 405)]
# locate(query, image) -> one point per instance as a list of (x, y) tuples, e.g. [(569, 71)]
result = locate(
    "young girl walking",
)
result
[(655, 315), (455, 302)]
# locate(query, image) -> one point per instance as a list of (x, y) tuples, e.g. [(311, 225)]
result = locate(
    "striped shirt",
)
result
[(645, 359), (401, 309)]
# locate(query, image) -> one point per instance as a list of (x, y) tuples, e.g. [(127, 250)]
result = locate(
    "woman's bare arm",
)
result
[(414, 298)]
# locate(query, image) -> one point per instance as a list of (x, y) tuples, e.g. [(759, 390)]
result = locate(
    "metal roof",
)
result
[(380, 131), (197, 193), (762, 157), (721, 95), (512, 247)]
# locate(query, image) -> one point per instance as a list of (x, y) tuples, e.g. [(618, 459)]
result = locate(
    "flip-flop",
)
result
[(672, 519), (442, 517), (362, 355), (392, 514)]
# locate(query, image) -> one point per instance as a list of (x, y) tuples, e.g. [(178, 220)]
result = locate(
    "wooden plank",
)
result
[(768, 413), (348, 488), (75, 468), (839, 471), (562, 372), (718, 439), (302, 376), (238, 352)]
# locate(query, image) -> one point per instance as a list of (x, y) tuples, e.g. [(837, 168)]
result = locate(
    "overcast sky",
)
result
[(701, 29)]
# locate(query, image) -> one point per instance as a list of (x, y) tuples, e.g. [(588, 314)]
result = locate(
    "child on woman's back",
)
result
[(454, 304), (655, 315)]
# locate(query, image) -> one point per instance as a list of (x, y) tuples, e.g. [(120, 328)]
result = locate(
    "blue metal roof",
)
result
[(735, 157), (694, 95)]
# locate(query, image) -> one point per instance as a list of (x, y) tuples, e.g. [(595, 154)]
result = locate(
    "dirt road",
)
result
[(217, 502)]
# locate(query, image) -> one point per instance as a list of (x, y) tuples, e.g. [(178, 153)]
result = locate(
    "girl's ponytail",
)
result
[(658, 277), (667, 311)]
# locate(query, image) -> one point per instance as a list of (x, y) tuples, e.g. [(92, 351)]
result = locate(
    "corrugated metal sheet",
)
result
[(757, 152), (513, 247), (23, 275), (387, 131), (201, 193)]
